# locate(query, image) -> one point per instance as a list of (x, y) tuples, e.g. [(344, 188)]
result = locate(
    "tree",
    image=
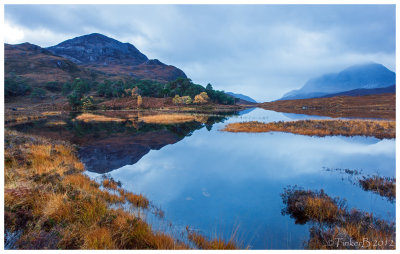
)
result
[(139, 101), (182, 100), (87, 103), (74, 99), (14, 87), (38, 93), (201, 98), (67, 88)]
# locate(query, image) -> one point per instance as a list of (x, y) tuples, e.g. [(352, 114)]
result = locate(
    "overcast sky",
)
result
[(262, 51)]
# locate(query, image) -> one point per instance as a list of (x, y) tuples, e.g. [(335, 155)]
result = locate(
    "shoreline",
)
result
[(51, 204), (379, 129)]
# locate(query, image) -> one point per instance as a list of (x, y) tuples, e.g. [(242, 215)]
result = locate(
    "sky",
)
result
[(262, 51)]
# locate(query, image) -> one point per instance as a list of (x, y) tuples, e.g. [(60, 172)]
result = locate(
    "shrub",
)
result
[(38, 93), (201, 98), (53, 86), (13, 87)]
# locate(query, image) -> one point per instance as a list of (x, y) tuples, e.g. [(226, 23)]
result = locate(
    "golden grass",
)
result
[(51, 113), (88, 117), (379, 129), (384, 186), (134, 199), (110, 184), (55, 123), (57, 207), (331, 220), (168, 118), (215, 244)]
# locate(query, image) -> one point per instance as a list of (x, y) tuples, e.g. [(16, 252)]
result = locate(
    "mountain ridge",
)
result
[(99, 52), (242, 97), (362, 76)]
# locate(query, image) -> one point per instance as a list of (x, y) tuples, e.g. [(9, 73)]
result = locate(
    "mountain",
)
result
[(363, 91), (242, 97), (36, 65), (365, 76), (101, 53)]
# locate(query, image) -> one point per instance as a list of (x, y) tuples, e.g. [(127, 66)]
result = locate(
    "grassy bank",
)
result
[(378, 129), (333, 225), (381, 106), (51, 204)]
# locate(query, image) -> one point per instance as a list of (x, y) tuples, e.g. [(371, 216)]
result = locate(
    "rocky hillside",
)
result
[(366, 76), (101, 53)]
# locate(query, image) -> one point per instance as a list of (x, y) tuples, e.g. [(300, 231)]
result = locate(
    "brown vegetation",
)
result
[(55, 206), (168, 118), (38, 66), (88, 117), (50, 204), (370, 106), (384, 186), (334, 226), (379, 129), (215, 244)]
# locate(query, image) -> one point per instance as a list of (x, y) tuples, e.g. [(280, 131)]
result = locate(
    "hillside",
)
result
[(36, 65), (363, 91), (366, 76), (369, 106), (243, 97), (101, 53)]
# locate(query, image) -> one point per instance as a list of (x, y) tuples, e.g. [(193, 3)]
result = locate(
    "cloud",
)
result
[(259, 50)]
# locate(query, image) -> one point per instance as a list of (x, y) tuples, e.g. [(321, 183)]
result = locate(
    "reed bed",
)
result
[(88, 117), (334, 226), (379, 129), (168, 118)]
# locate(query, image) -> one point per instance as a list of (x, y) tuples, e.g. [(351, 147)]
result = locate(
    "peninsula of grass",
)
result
[(50, 204), (88, 117), (383, 186), (168, 118), (372, 128), (333, 224)]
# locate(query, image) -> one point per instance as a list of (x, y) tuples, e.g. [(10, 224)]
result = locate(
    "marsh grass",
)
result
[(379, 129), (51, 113), (168, 118), (55, 123), (51, 204), (203, 243), (383, 186), (88, 117), (331, 220), (57, 207)]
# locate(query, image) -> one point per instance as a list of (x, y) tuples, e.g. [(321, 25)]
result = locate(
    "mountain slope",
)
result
[(363, 91), (36, 65), (242, 96), (99, 52), (366, 76)]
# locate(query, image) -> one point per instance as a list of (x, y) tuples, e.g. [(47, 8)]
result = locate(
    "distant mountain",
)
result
[(363, 91), (99, 52), (366, 76), (242, 96)]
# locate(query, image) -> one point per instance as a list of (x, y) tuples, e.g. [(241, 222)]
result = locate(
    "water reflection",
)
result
[(106, 146), (216, 181)]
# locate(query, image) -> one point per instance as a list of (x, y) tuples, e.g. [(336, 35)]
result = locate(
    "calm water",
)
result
[(218, 182)]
